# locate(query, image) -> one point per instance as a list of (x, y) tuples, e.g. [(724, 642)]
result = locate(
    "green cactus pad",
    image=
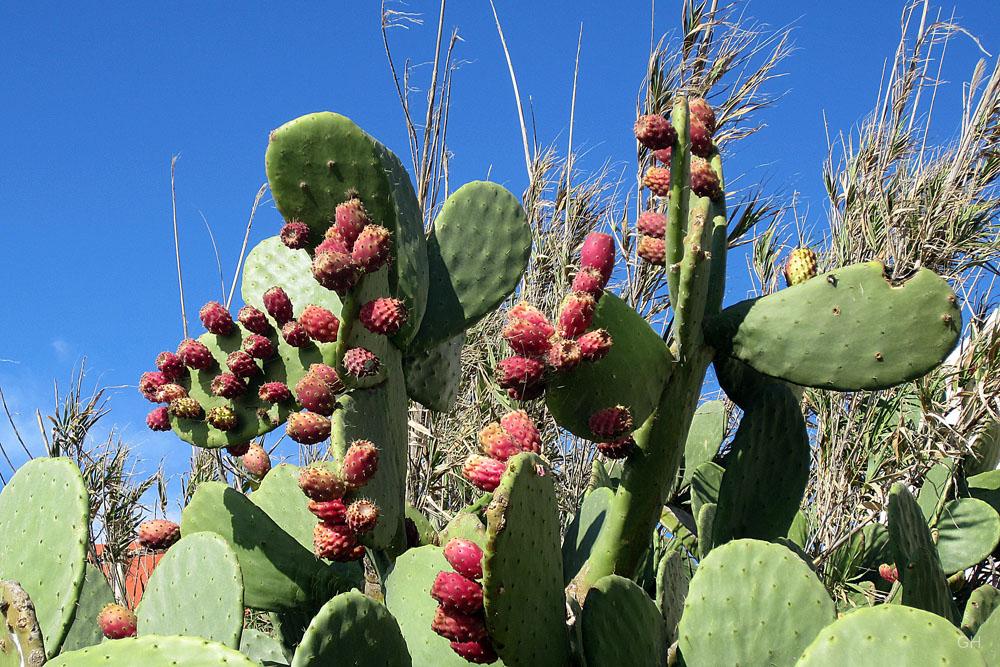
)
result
[(466, 526), (890, 635), (426, 533), (20, 637), (986, 487), (916, 557), (982, 603), (477, 252), (196, 589), (408, 597), (279, 574), (155, 651), (583, 530), (617, 608), (673, 576), (522, 567), (741, 383), (985, 450), (767, 472), (272, 264), (95, 594), (263, 648), (706, 528), (968, 531), (987, 638), (433, 376), (633, 373), (706, 480), (798, 532), (934, 487), (872, 334), (352, 629), (45, 515), (708, 427), (752, 603)]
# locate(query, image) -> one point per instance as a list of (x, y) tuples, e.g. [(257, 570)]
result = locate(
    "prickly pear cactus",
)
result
[(20, 636), (155, 651), (95, 594), (352, 629), (615, 607)]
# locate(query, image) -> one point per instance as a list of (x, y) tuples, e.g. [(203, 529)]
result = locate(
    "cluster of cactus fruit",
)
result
[(352, 311)]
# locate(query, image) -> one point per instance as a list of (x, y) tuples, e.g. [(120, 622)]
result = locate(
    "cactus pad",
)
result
[(271, 264), (752, 603), (263, 648), (522, 567), (987, 637), (673, 576), (434, 375), (986, 487), (982, 603), (45, 514), (155, 651), (934, 487), (872, 334), (705, 483), (95, 594), (20, 636), (196, 589), (968, 531), (617, 608), (583, 530), (708, 427)]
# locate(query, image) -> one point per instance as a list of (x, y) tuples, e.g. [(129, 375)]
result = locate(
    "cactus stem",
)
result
[(680, 192)]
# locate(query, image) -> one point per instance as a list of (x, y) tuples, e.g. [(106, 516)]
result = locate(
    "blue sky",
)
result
[(94, 103)]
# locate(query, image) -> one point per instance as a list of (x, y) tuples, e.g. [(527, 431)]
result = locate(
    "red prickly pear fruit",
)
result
[(360, 463), (254, 320), (336, 271), (222, 417), (652, 223), (701, 139), (256, 460), (320, 323), (116, 621), (704, 180), (242, 364), (362, 515), (528, 330), (655, 132), (484, 472), (664, 155), (598, 252), (333, 243), (361, 362), (307, 428), (295, 234), (700, 110), (278, 305), (590, 281), (657, 179), (336, 541), (169, 392), (216, 318), (611, 423), (522, 429), (158, 534), (195, 355), (350, 218), (478, 652), (320, 483), (150, 383), (595, 345), (652, 250), (258, 346), (575, 315), (465, 557), (314, 394), (238, 450), (496, 443), (564, 354), (158, 419), (800, 267), (617, 449), (186, 408), (170, 365), (330, 511), (227, 385), (295, 334), (888, 572), (274, 392), (457, 593), (372, 248), (328, 375), (519, 372), (528, 393), (383, 316), (459, 627)]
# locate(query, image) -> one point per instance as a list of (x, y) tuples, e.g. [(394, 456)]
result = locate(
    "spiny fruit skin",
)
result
[(360, 362), (320, 483), (336, 271), (333, 243), (331, 511), (479, 652), (465, 557), (528, 330), (888, 572), (360, 463), (564, 354), (158, 419), (169, 392), (657, 179), (242, 364), (590, 281), (150, 383), (253, 320), (617, 449), (350, 218), (274, 392), (186, 408), (278, 305), (652, 223), (664, 155), (611, 423), (595, 345), (801, 266), (216, 318), (699, 109), (704, 180), (158, 533), (652, 250), (228, 385), (598, 252), (307, 428), (372, 248), (314, 394), (497, 443), (238, 449), (457, 593), (458, 627), (362, 515), (654, 131), (484, 472), (337, 542), (522, 429), (519, 372), (328, 375), (116, 621), (258, 346), (222, 417), (195, 355), (701, 139), (256, 460), (170, 365), (295, 334), (575, 315), (295, 234), (321, 324), (383, 316)]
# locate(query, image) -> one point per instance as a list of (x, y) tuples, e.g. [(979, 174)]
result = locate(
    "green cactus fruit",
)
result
[(874, 334), (617, 608), (263, 648), (434, 375), (708, 427), (155, 651), (982, 603), (583, 530), (752, 603), (20, 635), (800, 266), (94, 596), (673, 577), (967, 532)]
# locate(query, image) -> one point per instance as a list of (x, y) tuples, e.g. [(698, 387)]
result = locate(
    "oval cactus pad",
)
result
[(155, 651)]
